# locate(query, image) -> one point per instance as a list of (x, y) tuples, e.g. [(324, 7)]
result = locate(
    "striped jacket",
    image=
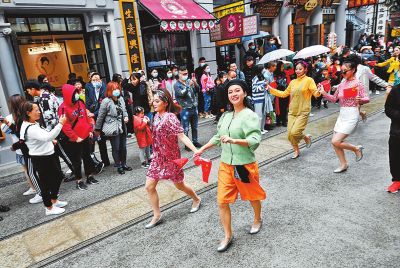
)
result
[(258, 90)]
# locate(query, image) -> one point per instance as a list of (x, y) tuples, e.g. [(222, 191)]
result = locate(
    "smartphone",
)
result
[(193, 75)]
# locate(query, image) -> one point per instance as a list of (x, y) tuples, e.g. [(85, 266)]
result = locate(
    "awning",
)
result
[(179, 15)]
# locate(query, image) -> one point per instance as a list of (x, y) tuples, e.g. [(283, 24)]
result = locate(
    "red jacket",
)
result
[(75, 112), (142, 132)]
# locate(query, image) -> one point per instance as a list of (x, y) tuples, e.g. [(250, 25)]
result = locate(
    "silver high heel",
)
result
[(360, 148), (152, 225), (195, 209), (257, 228), (341, 170), (308, 145), (224, 247)]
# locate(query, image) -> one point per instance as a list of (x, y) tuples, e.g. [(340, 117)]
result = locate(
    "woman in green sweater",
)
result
[(239, 136)]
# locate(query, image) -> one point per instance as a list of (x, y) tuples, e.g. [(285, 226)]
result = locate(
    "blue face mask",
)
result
[(185, 77), (116, 93), (96, 84)]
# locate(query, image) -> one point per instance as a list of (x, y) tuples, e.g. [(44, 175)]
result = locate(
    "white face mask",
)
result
[(169, 75), (208, 70), (202, 64), (154, 74), (76, 96)]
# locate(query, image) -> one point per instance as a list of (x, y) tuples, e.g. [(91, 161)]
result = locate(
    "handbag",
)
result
[(110, 128)]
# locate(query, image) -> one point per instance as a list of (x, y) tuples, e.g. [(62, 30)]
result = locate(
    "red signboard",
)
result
[(235, 26), (179, 15), (360, 3)]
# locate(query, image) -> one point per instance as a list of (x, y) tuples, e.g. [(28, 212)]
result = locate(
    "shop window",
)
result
[(19, 25), (38, 24), (311, 36), (74, 24), (57, 24)]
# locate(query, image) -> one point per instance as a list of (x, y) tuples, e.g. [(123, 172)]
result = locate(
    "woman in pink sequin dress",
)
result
[(351, 95), (166, 132)]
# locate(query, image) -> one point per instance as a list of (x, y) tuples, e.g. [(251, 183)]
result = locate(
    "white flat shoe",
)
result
[(256, 228), (60, 204), (152, 225), (195, 209)]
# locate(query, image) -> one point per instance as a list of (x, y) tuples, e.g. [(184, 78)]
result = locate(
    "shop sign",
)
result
[(228, 42), (269, 9), (291, 37), (323, 3), (301, 16), (222, 11), (328, 11), (132, 41), (251, 25), (395, 32), (360, 3), (235, 26)]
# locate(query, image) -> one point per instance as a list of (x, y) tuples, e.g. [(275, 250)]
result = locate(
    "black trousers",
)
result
[(283, 108), (78, 152), (394, 157), (50, 177), (118, 144), (59, 150), (103, 149)]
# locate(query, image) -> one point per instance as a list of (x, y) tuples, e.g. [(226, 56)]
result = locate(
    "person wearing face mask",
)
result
[(249, 70), (78, 129), (394, 65), (300, 91), (186, 96), (270, 45), (111, 121), (252, 51), (198, 73), (169, 82), (207, 87), (94, 95), (221, 94)]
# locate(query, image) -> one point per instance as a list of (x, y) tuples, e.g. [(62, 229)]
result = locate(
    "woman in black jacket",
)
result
[(138, 88), (221, 94), (392, 110)]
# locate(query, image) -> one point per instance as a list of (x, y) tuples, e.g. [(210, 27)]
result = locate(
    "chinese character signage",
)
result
[(251, 25), (222, 11), (360, 3), (269, 9), (132, 41)]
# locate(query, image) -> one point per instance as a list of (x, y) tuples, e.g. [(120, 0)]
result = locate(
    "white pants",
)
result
[(259, 110)]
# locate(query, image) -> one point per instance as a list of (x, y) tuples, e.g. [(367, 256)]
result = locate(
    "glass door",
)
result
[(96, 54)]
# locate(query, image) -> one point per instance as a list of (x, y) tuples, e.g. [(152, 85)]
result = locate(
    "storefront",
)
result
[(56, 45), (166, 29)]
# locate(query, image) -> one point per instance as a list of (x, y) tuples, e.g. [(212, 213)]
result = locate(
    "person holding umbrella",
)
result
[(300, 91), (239, 135), (166, 132)]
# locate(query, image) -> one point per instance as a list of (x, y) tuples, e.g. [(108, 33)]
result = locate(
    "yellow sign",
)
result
[(222, 11), (310, 5), (396, 32)]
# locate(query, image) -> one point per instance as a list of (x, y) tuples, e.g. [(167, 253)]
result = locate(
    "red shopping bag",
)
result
[(273, 84), (350, 92)]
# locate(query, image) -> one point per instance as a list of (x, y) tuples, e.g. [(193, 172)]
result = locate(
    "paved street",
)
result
[(313, 218)]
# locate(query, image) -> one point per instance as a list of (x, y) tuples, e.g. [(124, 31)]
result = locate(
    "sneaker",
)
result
[(264, 132), (81, 186), (60, 204), (54, 211), (30, 192), (144, 165), (377, 92), (99, 168), (394, 187), (211, 116), (36, 199), (91, 180), (126, 168), (68, 172), (311, 114), (71, 177), (4, 208), (147, 164)]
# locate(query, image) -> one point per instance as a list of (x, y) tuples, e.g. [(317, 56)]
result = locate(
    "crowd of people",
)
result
[(161, 109)]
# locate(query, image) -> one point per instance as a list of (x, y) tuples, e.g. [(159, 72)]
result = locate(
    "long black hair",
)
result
[(352, 62)]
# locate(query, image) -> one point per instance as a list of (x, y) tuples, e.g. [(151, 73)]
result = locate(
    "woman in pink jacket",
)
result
[(207, 86)]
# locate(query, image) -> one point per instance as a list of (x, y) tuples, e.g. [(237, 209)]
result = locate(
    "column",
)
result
[(285, 19), (12, 82), (340, 23)]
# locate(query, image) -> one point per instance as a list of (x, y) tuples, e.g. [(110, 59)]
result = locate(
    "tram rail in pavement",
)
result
[(71, 232)]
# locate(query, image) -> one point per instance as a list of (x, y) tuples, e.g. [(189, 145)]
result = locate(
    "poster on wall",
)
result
[(54, 65), (360, 3)]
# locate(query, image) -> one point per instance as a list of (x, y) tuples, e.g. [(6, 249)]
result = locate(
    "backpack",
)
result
[(21, 145)]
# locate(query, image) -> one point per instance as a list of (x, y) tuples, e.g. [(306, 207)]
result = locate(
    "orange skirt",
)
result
[(229, 187)]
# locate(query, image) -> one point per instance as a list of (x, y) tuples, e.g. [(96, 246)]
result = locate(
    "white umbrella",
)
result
[(275, 55), (311, 52)]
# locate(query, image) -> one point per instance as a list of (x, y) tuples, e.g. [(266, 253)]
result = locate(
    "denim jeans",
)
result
[(190, 116), (207, 102), (118, 144)]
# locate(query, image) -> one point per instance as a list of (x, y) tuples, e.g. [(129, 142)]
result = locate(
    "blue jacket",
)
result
[(92, 103)]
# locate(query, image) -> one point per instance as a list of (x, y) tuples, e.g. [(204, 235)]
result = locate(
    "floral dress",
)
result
[(166, 129)]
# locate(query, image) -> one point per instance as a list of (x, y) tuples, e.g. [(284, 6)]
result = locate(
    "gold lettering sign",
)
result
[(222, 11)]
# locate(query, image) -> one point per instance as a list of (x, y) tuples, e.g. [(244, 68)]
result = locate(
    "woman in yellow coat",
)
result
[(394, 66), (300, 91)]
